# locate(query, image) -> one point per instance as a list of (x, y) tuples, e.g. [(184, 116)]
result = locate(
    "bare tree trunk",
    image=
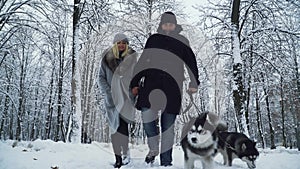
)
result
[(50, 108), (5, 117), (76, 114), (216, 90), (150, 6), (258, 119), (84, 95), (282, 112), (272, 132), (33, 132), (298, 112), (297, 99), (89, 97), (238, 87), (21, 97), (60, 118), (247, 105), (248, 92), (19, 119), (93, 128), (59, 124), (11, 122)]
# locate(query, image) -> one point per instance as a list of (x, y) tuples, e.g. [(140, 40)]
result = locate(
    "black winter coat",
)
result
[(161, 66)]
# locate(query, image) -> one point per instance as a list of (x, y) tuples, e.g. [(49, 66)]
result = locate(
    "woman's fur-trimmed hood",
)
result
[(112, 61)]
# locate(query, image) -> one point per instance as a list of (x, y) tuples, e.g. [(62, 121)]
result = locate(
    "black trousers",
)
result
[(120, 139)]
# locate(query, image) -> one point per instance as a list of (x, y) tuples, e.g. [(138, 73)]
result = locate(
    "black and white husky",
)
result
[(199, 140), (237, 145)]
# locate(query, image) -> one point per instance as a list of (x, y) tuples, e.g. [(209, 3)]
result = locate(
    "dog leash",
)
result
[(141, 84), (184, 115), (186, 118), (192, 101)]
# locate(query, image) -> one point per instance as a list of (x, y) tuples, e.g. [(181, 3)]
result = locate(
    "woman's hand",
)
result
[(135, 91), (192, 90)]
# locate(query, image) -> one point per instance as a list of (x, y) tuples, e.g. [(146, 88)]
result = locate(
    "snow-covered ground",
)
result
[(48, 154)]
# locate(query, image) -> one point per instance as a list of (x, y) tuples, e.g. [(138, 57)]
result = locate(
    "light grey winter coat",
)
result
[(114, 80)]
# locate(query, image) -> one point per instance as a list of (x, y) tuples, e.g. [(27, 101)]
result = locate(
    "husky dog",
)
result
[(199, 140), (237, 145)]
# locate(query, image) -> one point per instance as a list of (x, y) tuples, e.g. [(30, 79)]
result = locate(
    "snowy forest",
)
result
[(248, 56)]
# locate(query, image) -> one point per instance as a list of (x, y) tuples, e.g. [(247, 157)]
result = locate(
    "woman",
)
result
[(114, 77), (158, 83)]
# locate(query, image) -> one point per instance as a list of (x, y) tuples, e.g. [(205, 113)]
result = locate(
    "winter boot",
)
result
[(126, 157), (118, 163), (151, 157)]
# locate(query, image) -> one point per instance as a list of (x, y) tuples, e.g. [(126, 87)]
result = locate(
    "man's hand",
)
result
[(135, 91), (192, 90)]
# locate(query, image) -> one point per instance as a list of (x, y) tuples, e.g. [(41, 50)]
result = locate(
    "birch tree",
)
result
[(76, 114)]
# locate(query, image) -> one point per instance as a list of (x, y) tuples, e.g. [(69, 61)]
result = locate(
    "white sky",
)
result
[(193, 13)]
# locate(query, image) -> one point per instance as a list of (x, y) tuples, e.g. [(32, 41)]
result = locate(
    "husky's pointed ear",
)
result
[(244, 147), (212, 118), (215, 120)]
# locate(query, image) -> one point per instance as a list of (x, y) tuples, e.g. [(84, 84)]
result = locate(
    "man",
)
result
[(158, 83), (114, 77)]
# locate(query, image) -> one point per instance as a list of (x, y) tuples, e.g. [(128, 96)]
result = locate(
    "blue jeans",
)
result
[(151, 128)]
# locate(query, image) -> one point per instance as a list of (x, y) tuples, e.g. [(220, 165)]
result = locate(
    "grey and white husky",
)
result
[(199, 140), (237, 145)]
